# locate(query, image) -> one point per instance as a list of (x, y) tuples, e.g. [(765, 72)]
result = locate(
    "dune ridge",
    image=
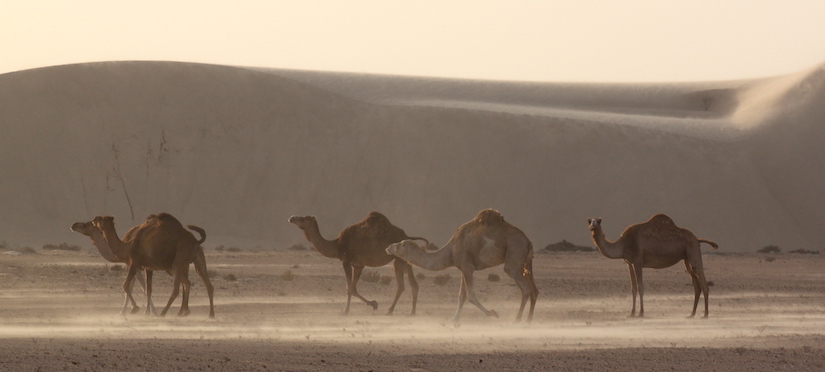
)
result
[(237, 150)]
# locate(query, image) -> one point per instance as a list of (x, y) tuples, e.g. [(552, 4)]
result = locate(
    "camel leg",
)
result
[(697, 290), (126, 297), (150, 306), (148, 291), (187, 287), (399, 280), (517, 274), (356, 275), (633, 288), (200, 268), (175, 292), (471, 295), (699, 271), (413, 285), (127, 287), (348, 274), (534, 292), (462, 296), (640, 284)]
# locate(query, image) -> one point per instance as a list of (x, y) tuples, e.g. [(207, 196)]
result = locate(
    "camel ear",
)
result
[(599, 220), (589, 220)]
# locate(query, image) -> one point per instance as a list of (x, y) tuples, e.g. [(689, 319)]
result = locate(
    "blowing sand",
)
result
[(58, 312)]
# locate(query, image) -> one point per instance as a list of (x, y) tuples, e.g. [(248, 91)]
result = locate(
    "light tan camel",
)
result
[(161, 243), (657, 243), (363, 244), (90, 230), (484, 242)]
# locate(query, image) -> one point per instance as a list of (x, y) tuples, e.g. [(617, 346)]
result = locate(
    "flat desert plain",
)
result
[(281, 310)]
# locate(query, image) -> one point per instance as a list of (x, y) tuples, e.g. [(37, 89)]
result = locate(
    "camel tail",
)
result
[(199, 231), (712, 244)]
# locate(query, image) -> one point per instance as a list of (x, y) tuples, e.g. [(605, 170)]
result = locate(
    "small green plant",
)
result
[(442, 279), (370, 276), (493, 277), (287, 275)]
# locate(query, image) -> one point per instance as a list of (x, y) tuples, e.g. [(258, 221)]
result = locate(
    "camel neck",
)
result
[(117, 246), (102, 246), (435, 260), (607, 248), (327, 248)]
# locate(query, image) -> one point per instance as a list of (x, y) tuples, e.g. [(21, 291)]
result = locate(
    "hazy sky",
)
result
[(607, 40)]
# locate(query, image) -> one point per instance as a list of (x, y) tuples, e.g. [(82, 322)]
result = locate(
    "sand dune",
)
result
[(237, 150)]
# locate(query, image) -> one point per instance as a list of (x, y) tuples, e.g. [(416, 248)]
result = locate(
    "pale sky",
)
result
[(569, 40)]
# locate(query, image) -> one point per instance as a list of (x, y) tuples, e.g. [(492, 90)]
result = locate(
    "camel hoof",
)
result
[(492, 313), (374, 305), (134, 310)]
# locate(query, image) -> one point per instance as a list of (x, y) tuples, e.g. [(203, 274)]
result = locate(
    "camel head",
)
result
[(103, 222), (398, 249), (304, 222), (594, 223), (85, 228)]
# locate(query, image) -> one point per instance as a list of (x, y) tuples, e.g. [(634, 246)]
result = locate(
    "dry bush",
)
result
[(804, 251), (493, 277), (287, 275), (233, 249), (442, 279), (61, 247), (230, 277), (420, 276), (27, 250), (297, 247), (565, 246), (370, 276), (769, 249), (386, 279)]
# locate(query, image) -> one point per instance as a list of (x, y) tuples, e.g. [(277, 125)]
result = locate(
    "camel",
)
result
[(481, 243), (160, 243), (363, 244), (658, 244), (90, 230)]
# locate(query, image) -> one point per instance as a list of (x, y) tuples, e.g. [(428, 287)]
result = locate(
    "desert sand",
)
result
[(58, 311), (237, 150)]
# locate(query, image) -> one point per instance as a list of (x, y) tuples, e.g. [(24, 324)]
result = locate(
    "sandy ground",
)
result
[(58, 311)]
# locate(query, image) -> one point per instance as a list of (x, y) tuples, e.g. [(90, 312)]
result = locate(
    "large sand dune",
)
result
[(238, 150)]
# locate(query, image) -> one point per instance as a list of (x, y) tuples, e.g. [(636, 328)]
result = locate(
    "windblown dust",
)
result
[(281, 311)]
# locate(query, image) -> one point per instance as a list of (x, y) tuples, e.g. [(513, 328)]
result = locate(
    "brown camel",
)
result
[(362, 244), (657, 243), (161, 243), (484, 242), (90, 230)]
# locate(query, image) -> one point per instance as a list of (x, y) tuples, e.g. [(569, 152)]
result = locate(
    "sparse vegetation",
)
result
[(230, 277), (493, 277), (420, 276), (370, 276), (442, 279), (233, 249), (769, 249), (565, 246), (804, 251), (61, 247), (287, 275), (27, 250), (386, 279), (116, 268), (297, 247)]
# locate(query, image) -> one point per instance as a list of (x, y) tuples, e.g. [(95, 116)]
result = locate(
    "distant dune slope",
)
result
[(238, 150)]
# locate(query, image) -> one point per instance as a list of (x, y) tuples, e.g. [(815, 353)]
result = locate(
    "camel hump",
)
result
[(375, 218), (490, 217), (661, 227)]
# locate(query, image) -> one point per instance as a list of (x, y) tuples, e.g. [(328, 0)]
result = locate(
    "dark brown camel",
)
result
[(657, 243), (161, 243), (363, 244)]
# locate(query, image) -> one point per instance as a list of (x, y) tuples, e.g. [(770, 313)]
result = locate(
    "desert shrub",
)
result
[(233, 249), (296, 266), (116, 268), (442, 279), (212, 274), (565, 246), (220, 248), (27, 250), (711, 283), (386, 279), (770, 259), (230, 277), (61, 247), (804, 251), (370, 276), (769, 249), (287, 275), (297, 247), (420, 276), (493, 277)]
